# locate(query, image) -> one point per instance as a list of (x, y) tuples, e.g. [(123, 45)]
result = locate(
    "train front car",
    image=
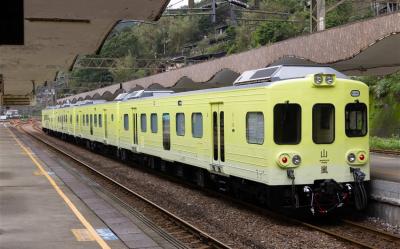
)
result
[(320, 139)]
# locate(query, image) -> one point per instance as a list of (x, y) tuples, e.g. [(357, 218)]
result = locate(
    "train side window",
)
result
[(143, 122), (70, 119), (356, 120), (197, 125), (112, 117), (95, 120), (287, 123), (87, 119), (126, 122), (153, 122), (180, 124), (100, 121), (77, 119), (323, 117), (255, 127)]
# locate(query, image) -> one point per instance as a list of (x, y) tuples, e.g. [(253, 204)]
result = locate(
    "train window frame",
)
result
[(255, 140), (153, 123), (180, 124), (197, 127), (143, 122), (280, 126), (126, 122), (316, 133), (356, 132)]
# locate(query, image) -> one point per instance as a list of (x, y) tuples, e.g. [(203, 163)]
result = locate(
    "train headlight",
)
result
[(351, 157), (318, 79), (357, 157), (296, 160), (330, 79)]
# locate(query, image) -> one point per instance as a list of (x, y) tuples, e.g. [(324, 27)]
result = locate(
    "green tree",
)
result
[(269, 32)]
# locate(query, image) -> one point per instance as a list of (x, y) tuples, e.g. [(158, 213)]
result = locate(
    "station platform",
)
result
[(385, 167), (40, 209), (385, 188)]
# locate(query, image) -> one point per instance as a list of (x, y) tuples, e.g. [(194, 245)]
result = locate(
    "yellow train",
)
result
[(293, 136)]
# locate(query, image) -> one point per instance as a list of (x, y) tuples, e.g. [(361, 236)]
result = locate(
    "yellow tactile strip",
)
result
[(69, 203)]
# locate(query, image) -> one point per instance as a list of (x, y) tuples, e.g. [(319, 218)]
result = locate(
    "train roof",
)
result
[(284, 72), (142, 94), (248, 79)]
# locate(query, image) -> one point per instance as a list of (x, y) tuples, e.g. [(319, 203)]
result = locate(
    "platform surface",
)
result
[(34, 215)]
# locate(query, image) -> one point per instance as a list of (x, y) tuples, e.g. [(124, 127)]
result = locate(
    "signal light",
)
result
[(361, 157), (284, 159)]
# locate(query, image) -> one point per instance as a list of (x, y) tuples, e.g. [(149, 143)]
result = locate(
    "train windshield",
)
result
[(356, 120), (323, 116), (287, 123)]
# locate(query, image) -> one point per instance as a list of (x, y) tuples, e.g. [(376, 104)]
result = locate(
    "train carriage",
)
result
[(288, 135)]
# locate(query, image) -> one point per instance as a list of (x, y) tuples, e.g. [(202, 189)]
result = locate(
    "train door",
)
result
[(78, 123), (105, 124), (218, 136), (135, 126), (166, 131), (91, 124)]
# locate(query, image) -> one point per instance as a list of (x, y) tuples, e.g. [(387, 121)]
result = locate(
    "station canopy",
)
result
[(40, 37)]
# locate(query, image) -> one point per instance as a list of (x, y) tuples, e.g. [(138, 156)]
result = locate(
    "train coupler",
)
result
[(358, 175), (295, 197), (360, 193)]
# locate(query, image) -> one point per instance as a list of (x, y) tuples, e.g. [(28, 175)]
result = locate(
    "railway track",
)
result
[(345, 230), (357, 234), (188, 234)]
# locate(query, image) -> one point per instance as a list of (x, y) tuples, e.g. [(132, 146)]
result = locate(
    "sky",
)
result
[(178, 3)]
